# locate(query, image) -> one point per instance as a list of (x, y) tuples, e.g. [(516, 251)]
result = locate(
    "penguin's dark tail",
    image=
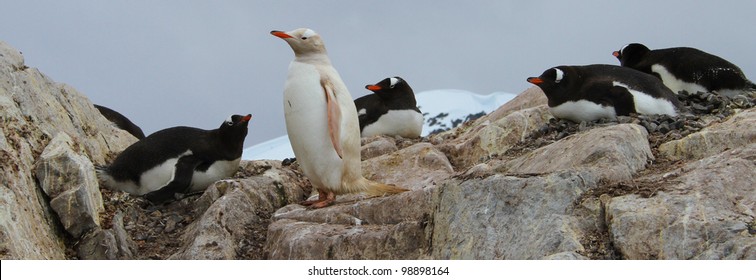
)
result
[(751, 88), (101, 168), (102, 173)]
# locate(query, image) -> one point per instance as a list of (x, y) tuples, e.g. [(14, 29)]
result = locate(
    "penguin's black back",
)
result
[(374, 108), (693, 66)]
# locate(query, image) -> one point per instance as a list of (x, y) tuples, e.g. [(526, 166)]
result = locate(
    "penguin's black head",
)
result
[(393, 84), (554, 82), (394, 89), (631, 54), (235, 125)]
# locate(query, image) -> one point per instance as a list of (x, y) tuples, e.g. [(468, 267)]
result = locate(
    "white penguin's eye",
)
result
[(304, 38), (559, 75)]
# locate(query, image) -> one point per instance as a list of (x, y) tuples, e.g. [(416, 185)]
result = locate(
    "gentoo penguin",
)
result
[(120, 121), (586, 93), (178, 160), (687, 69), (322, 124), (390, 110)]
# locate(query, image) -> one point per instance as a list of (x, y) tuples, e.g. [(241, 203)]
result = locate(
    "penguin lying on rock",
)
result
[(687, 69), (390, 110), (178, 160), (591, 92)]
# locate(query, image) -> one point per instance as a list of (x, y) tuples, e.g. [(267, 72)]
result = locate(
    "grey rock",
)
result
[(615, 153), (69, 180), (506, 217), (33, 110), (565, 256), (415, 167), (393, 227), (702, 211), (107, 244), (237, 208), (737, 131), (377, 146)]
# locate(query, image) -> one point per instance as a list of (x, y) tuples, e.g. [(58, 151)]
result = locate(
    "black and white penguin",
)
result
[(390, 110), (687, 69), (178, 160), (591, 92), (120, 121)]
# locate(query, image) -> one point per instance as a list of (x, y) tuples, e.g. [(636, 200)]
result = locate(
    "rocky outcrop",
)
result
[(494, 134), (736, 132), (396, 227), (703, 210), (514, 184), (34, 110), (238, 211), (615, 153)]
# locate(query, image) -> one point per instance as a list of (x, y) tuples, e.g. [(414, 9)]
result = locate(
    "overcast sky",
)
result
[(193, 63)]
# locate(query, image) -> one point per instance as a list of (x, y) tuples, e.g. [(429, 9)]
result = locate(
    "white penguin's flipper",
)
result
[(334, 116)]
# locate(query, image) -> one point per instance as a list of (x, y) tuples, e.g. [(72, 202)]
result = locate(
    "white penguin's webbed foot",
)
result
[(324, 199)]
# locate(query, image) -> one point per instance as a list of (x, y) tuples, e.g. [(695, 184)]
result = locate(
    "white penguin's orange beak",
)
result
[(280, 34)]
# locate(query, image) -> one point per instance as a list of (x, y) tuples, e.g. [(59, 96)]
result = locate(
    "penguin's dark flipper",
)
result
[(182, 179), (623, 101)]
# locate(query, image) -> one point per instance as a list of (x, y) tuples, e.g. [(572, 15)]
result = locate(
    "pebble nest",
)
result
[(698, 111)]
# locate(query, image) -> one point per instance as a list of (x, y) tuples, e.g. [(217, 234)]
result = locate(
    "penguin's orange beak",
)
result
[(616, 54), (280, 34), (373, 87), (535, 80), (247, 118)]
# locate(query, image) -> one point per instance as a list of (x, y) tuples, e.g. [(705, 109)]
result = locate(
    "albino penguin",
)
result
[(322, 123)]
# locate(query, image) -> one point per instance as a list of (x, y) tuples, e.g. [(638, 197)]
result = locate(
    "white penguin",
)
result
[(322, 123)]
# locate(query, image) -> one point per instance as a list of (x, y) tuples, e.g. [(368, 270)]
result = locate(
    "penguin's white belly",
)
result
[(220, 169), (582, 110), (405, 123), (158, 176), (307, 126), (675, 84), (648, 105), (161, 175)]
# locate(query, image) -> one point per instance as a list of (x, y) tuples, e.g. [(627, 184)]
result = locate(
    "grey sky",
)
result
[(170, 63)]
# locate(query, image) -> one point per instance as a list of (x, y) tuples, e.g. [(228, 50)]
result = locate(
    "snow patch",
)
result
[(443, 109)]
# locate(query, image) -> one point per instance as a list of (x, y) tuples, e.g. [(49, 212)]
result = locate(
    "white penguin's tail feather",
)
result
[(374, 188)]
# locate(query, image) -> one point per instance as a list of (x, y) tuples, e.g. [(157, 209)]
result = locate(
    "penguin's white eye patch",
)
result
[(559, 75), (393, 83), (230, 120)]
